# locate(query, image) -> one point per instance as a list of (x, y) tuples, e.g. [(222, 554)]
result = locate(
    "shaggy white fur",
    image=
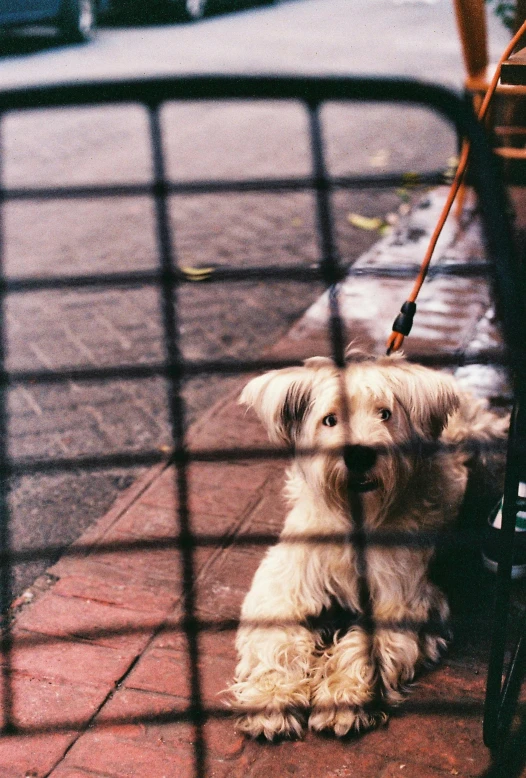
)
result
[(392, 417)]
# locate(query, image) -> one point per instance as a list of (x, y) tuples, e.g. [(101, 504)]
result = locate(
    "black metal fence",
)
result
[(168, 277)]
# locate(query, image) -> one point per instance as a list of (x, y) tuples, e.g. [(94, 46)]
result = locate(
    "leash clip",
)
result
[(404, 320)]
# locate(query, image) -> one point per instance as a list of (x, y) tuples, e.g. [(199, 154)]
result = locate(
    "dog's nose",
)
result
[(359, 458)]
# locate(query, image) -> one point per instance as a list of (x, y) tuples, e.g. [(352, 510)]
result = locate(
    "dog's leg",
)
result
[(398, 654), (272, 686), (411, 619), (436, 635), (344, 686)]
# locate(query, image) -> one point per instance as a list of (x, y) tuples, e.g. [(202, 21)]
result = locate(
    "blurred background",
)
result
[(137, 37)]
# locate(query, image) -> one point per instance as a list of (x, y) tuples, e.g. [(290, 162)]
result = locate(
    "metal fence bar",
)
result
[(6, 596), (189, 369), (465, 539), (437, 707), (329, 261), (269, 273), (388, 181), (309, 89), (331, 271), (178, 427)]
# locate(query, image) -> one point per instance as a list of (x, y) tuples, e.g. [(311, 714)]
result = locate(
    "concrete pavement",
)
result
[(100, 663)]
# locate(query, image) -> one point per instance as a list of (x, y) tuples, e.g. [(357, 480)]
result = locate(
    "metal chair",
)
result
[(507, 118), (507, 122)]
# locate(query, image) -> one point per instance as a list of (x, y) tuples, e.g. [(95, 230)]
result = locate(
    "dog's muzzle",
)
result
[(359, 460)]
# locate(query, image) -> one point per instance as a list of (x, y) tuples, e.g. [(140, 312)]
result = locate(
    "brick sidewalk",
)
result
[(56, 329), (93, 701)]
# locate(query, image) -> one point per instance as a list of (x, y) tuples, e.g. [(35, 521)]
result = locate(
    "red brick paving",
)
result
[(69, 670)]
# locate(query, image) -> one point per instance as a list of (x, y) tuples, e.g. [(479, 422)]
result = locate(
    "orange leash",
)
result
[(404, 321)]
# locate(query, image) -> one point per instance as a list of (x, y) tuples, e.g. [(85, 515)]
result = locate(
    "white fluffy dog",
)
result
[(404, 469)]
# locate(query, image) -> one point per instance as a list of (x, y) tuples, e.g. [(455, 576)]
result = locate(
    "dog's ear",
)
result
[(429, 396), (281, 399)]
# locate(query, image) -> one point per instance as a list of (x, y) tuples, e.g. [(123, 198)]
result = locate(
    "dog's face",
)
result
[(357, 428)]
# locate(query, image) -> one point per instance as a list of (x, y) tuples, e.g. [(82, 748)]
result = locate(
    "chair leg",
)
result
[(471, 21), (498, 710)]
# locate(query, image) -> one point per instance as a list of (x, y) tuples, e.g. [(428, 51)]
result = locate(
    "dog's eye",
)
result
[(385, 414), (330, 420)]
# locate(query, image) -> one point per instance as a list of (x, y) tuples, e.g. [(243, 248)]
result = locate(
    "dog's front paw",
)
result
[(273, 705), (434, 647), (343, 719), (272, 724)]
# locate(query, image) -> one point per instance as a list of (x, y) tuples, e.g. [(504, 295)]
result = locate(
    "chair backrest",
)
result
[(507, 115)]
